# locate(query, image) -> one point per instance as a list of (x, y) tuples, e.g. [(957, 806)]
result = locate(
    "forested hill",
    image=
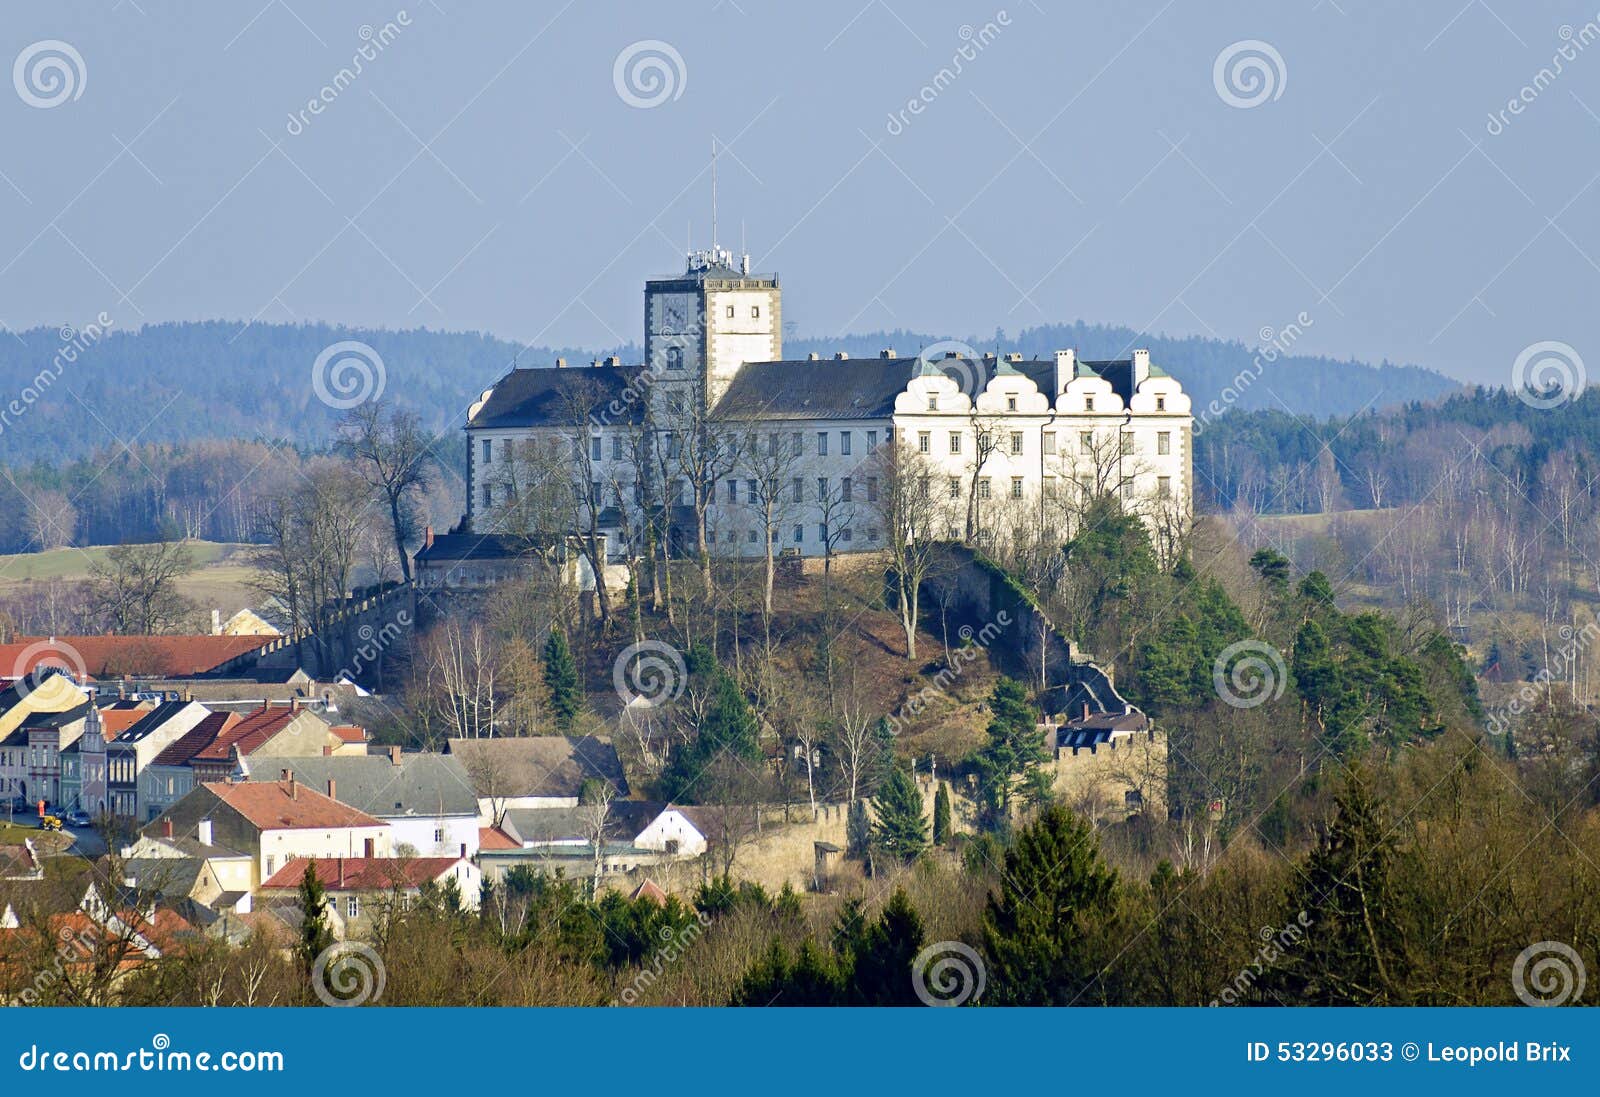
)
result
[(181, 382)]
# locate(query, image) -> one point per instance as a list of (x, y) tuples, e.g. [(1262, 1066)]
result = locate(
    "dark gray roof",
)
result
[(421, 785), (159, 715), (173, 877), (547, 396), (625, 820), (854, 388), (38, 721), (538, 765), (476, 546)]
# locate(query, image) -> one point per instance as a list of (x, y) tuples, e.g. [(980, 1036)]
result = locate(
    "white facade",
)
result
[(436, 835), (280, 846), (1059, 432)]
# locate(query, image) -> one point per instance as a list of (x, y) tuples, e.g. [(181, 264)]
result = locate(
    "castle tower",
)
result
[(701, 326)]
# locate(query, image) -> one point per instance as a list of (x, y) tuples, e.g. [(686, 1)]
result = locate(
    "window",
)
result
[(822, 488), (488, 450), (616, 447), (1127, 489), (872, 533), (751, 493), (1087, 484), (955, 441), (983, 487), (845, 535), (1086, 442), (674, 446), (799, 534), (730, 312), (1049, 443), (845, 490), (488, 496), (1127, 443), (752, 537), (844, 443), (438, 835), (872, 440), (933, 403), (1088, 403), (733, 490), (596, 493), (799, 489), (799, 443), (1161, 403), (674, 357), (822, 534), (352, 907), (271, 860), (1164, 487), (594, 448), (924, 441), (755, 312), (680, 491), (1011, 403), (711, 536), (1016, 487), (1164, 442), (985, 441), (1016, 442), (955, 487), (872, 489), (822, 443), (772, 445), (952, 533), (1049, 487)]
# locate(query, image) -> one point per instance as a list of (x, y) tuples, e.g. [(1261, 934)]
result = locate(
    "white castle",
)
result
[(738, 447)]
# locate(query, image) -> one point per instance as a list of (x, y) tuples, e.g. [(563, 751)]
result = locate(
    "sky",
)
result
[(521, 168)]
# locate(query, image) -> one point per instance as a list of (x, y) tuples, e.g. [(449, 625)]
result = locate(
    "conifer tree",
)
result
[(561, 679), (1012, 761), (901, 830), (942, 835), (315, 935)]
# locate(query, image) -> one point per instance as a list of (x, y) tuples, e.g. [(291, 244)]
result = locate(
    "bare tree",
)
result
[(135, 587), (910, 516), (392, 452)]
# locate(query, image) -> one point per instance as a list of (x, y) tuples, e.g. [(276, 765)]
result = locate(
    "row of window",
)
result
[(845, 535), (1087, 442), (956, 487), (597, 448), (1011, 403)]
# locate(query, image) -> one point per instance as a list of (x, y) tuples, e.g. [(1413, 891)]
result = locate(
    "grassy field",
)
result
[(220, 579)]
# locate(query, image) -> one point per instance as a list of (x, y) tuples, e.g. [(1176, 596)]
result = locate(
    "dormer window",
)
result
[(1011, 403), (1161, 403), (933, 403), (1088, 403), (755, 312)]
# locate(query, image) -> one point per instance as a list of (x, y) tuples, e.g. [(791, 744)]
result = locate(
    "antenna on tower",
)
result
[(713, 193)]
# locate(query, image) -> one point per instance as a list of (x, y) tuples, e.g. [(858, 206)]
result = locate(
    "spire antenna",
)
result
[(713, 193)]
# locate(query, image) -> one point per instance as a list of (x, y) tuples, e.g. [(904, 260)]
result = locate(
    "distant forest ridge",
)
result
[(213, 380)]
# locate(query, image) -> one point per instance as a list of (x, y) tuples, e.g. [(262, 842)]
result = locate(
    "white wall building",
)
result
[(1003, 440)]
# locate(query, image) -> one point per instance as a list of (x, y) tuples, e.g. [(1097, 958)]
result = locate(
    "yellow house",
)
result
[(55, 693)]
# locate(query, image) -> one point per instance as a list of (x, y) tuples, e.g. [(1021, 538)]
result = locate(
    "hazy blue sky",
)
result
[(1082, 165)]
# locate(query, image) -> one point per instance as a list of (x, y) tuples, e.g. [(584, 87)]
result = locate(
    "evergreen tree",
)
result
[(1012, 761), (857, 830), (315, 935), (881, 961), (901, 830), (729, 731), (561, 679), (942, 835), (1036, 928)]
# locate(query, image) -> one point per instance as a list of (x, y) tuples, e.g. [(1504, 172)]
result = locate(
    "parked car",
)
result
[(79, 819)]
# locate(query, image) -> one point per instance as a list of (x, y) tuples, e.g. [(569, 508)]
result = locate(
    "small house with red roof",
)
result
[(271, 731), (363, 888)]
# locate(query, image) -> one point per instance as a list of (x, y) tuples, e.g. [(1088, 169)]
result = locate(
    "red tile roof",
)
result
[(287, 805), (137, 656), (363, 873), (495, 838), (253, 729), (350, 733), (197, 739), (115, 721)]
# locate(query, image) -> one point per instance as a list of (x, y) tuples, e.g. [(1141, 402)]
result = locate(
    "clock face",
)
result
[(674, 314)]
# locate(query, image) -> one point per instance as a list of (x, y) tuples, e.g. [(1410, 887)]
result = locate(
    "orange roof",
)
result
[(253, 729), (136, 656), (287, 805), (495, 838), (350, 733), (363, 873), (115, 721)]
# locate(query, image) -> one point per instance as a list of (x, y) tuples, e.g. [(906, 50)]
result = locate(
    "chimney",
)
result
[(1141, 367), (216, 622), (332, 790), (888, 352), (595, 363), (463, 851), (369, 845), (394, 756), (840, 356), (294, 786), (744, 263), (203, 832), (327, 750), (813, 357), (1014, 356), (561, 363), (1066, 369), (166, 828), (613, 361), (1086, 710), (341, 872), (427, 536), (188, 694)]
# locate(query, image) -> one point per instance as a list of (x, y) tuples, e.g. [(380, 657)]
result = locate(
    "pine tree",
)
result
[(901, 830), (880, 971), (315, 936), (1012, 761), (857, 829), (561, 679), (1036, 928), (941, 815)]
